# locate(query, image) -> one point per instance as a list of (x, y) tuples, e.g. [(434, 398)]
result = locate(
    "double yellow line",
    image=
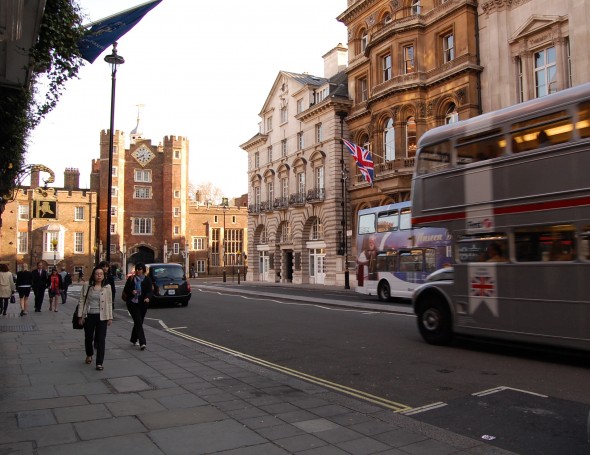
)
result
[(397, 407)]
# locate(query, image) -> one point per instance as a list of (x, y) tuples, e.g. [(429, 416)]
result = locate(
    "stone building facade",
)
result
[(530, 48), (49, 224), (297, 217), (413, 65)]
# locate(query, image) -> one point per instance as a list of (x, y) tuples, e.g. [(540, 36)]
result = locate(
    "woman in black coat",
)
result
[(137, 293)]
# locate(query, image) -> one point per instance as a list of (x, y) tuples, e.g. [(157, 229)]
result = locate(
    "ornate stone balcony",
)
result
[(281, 203), (297, 199), (316, 195)]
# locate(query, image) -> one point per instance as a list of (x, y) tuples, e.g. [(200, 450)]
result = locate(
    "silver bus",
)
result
[(513, 189)]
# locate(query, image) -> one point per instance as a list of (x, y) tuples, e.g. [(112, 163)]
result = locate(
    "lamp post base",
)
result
[(346, 279), (224, 276)]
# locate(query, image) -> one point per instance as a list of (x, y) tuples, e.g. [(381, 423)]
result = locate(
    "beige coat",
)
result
[(106, 303), (7, 286)]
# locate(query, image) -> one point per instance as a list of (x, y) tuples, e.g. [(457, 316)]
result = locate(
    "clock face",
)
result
[(143, 155)]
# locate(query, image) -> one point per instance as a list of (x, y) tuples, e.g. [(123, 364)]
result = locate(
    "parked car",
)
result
[(170, 283)]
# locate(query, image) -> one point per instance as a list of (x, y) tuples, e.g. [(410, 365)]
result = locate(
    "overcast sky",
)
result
[(201, 71)]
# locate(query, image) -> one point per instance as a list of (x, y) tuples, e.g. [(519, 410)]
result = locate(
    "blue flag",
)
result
[(105, 32)]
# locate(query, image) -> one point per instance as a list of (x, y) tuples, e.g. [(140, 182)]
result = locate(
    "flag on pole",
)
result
[(363, 160), (104, 32)]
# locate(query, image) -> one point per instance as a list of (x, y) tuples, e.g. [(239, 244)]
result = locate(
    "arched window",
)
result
[(451, 115), (364, 40), (317, 230), (389, 141), (411, 137), (386, 18), (415, 7)]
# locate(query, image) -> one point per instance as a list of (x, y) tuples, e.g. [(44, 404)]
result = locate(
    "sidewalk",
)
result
[(179, 397)]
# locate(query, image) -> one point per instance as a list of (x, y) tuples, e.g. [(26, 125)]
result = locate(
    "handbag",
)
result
[(12, 299), (75, 319)]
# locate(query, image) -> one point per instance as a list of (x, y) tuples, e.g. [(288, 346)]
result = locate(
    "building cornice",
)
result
[(355, 10), (256, 141)]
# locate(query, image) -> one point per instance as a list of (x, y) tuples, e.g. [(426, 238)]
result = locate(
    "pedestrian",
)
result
[(137, 293), (110, 279), (24, 281), (66, 280), (95, 313), (80, 275), (54, 286), (39, 285), (7, 287)]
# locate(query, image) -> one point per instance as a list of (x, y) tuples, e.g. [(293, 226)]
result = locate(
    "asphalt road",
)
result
[(525, 400)]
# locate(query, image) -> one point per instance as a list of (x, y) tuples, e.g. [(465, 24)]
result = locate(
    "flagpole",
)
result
[(342, 115)]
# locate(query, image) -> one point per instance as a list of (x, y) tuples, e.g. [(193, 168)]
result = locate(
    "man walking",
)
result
[(66, 280), (39, 285)]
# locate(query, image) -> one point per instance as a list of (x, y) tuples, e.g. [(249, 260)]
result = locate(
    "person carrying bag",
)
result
[(137, 293)]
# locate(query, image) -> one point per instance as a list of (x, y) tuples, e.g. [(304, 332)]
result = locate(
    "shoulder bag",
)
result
[(75, 319)]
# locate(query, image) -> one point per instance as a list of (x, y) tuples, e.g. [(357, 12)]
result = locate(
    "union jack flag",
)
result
[(363, 160), (482, 286)]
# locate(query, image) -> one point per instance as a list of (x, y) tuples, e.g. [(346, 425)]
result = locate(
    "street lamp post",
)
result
[(342, 116), (114, 60), (54, 244), (224, 203)]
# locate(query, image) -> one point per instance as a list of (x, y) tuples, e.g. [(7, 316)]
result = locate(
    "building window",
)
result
[(545, 72), (22, 241), (569, 62), (234, 219), (284, 114), (143, 192), (256, 159), (300, 140), (387, 19), (319, 136), (114, 171), (386, 67), (257, 198), (142, 226), (23, 212), (269, 124), (215, 236), (411, 137), (363, 89), (78, 242), (177, 194), (270, 191), (78, 213), (176, 230), (520, 75), (364, 40), (451, 115), (319, 179), (143, 175), (215, 219), (233, 245), (200, 266), (284, 149), (177, 154), (113, 228), (114, 191), (176, 211), (301, 183), (199, 243), (389, 140), (415, 7), (448, 42), (114, 210), (317, 230), (300, 105), (408, 59), (176, 247), (285, 233), (285, 187), (269, 154)]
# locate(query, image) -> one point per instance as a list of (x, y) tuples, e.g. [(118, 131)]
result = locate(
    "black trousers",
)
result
[(137, 312), (39, 296), (95, 331)]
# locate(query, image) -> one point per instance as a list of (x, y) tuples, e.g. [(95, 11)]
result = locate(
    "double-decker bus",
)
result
[(513, 189), (393, 259)]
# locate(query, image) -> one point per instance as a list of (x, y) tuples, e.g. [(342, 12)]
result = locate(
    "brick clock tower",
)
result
[(149, 199)]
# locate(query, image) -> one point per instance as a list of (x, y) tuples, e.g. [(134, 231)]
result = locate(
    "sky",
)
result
[(200, 71)]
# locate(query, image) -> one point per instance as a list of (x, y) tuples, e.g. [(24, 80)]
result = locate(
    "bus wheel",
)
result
[(434, 321), (384, 291)]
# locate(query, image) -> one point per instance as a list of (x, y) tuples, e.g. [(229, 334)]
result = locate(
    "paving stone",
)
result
[(17, 448), (296, 416), (262, 449), (180, 417), (46, 403), (279, 431), (300, 443), (82, 413), (363, 446), (205, 438), (316, 425), (186, 400), (38, 418), (129, 384), (399, 437), (325, 450), (429, 446), (104, 428), (134, 407), (137, 444)]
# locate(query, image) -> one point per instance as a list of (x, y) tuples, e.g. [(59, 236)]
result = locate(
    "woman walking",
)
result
[(7, 287), (95, 311), (137, 293), (24, 282), (54, 286)]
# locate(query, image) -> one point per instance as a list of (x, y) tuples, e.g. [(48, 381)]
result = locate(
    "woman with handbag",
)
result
[(7, 287), (137, 293), (95, 313)]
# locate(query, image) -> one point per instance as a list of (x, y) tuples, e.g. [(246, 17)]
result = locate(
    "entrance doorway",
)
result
[(317, 265), (288, 265), (264, 265)]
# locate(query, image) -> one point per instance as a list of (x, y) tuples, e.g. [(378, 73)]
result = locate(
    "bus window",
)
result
[(483, 248), (585, 244), (583, 125), (545, 243), (388, 221), (405, 219), (550, 129), (480, 147), (367, 223), (434, 158), (387, 262), (411, 261)]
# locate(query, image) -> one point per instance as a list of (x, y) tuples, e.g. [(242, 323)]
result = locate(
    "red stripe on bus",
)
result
[(537, 206), (438, 218)]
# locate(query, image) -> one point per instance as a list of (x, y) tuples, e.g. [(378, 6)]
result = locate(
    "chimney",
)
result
[(35, 178), (71, 179), (335, 61)]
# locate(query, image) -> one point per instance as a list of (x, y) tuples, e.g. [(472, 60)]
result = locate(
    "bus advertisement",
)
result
[(393, 259)]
